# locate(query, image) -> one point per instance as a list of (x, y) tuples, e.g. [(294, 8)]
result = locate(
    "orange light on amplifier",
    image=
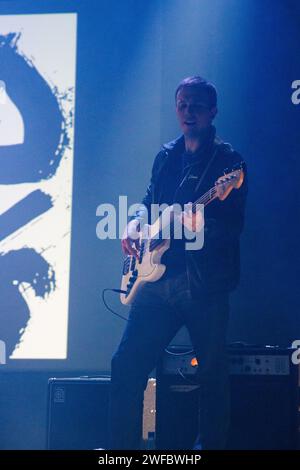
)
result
[(194, 362)]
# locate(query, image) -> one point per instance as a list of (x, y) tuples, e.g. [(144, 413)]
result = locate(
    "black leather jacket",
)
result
[(216, 267)]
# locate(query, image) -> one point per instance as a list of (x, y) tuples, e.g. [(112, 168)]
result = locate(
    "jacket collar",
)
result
[(178, 145)]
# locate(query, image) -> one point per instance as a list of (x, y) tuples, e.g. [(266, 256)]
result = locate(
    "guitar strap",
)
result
[(208, 165), (206, 168)]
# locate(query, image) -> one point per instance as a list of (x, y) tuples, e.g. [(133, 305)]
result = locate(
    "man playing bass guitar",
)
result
[(194, 289)]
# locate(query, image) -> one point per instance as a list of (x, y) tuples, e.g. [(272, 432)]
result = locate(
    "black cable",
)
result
[(119, 291)]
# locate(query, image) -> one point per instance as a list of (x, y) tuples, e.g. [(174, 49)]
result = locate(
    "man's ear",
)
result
[(214, 112)]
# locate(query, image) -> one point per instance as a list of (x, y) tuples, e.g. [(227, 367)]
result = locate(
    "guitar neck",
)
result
[(206, 198)]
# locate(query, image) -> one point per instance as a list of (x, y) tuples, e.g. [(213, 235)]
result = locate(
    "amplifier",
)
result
[(269, 360), (78, 413), (264, 399)]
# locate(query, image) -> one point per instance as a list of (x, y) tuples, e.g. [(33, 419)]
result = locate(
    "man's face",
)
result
[(193, 115)]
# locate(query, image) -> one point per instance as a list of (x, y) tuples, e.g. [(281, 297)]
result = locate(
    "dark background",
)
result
[(131, 55)]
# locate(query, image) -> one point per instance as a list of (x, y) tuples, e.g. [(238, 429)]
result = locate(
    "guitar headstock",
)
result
[(229, 181)]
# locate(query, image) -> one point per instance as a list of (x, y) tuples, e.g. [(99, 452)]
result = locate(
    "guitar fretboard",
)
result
[(205, 199)]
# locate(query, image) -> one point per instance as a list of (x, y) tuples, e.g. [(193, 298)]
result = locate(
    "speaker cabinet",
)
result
[(78, 413)]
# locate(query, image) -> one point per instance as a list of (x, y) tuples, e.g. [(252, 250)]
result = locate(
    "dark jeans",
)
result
[(158, 312)]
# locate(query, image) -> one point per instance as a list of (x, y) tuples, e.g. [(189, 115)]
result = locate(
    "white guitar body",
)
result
[(148, 267)]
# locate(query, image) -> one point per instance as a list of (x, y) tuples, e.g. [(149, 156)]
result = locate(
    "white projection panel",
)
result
[(37, 85)]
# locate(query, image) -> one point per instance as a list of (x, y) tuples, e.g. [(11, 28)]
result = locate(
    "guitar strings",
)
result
[(204, 199)]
